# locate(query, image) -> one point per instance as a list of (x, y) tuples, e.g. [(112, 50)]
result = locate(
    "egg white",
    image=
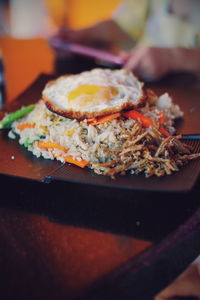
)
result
[(129, 93)]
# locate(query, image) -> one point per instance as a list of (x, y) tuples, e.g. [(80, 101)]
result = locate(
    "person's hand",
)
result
[(149, 63), (186, 285), (152, 63)]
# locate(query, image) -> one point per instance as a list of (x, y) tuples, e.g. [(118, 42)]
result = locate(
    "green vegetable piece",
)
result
[(27, 142), (10, 118), (68, 120)]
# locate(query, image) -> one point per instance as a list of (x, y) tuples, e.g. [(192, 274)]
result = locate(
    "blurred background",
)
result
[(25, 26)]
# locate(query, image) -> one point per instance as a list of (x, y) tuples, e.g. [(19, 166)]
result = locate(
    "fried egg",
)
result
[(93, 93)]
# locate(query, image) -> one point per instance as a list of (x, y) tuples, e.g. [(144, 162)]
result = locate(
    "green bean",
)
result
[(28, 143), (11, 117)]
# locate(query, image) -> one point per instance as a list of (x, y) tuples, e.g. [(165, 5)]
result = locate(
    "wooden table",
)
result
[(57, 243)]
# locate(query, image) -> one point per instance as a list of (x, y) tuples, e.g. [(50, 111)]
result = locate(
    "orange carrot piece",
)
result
[(146, 122), (91, 120), (164, 131), (80, 163), (69, 159), (47, 145), (25, 125), (162, 117), (161, 120), (104, 119), (135, 115)]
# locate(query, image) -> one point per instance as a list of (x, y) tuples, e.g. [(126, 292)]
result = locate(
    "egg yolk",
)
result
[(90, 93)]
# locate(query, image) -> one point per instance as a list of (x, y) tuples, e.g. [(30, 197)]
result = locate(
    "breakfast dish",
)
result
[(77, 122), (93, 94)]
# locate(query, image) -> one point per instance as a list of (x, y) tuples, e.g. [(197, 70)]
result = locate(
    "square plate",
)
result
[(15, 160)]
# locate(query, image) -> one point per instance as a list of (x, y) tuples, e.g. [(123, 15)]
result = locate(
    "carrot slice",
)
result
[(164, 131), (47, 145), (162, 117), (69, 159), (80, 163), (25, 125), (135, 115), (91, 120), (146, 122), (100, 120)]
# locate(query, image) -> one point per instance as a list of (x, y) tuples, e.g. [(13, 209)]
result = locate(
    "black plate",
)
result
[(17, 161)]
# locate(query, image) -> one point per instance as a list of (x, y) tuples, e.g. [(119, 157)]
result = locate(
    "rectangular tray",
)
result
[(15, 160)]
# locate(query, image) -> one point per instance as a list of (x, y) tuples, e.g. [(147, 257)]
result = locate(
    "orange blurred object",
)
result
[(80, 13), (25, 59)]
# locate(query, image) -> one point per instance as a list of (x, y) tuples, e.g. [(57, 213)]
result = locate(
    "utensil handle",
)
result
[(191, 136), (86, 51), (186, 298)]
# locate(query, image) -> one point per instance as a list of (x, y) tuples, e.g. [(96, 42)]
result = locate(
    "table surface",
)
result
[(43, 254)]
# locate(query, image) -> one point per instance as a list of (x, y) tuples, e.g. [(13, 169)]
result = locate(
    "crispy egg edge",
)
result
[(71, 114)]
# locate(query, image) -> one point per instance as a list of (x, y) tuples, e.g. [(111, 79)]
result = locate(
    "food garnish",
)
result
[(25, 125), (108, 118), (11, 117)]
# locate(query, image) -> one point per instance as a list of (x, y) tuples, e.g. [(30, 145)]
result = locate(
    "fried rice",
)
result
[(116, 147)]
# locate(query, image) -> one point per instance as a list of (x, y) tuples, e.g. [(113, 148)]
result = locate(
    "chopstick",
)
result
[(186, 298), (190, 136), (58, 44)]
